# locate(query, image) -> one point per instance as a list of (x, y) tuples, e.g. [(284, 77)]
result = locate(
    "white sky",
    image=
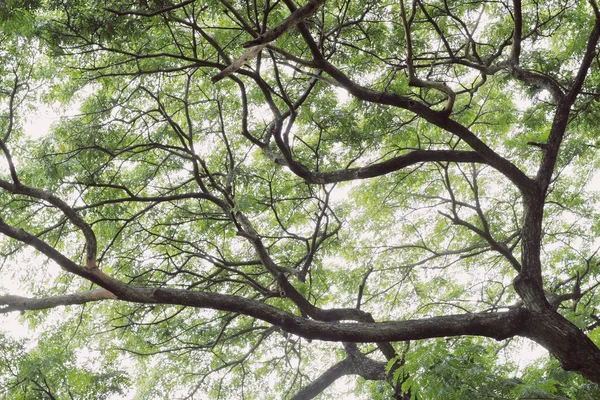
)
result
[(38, 123)]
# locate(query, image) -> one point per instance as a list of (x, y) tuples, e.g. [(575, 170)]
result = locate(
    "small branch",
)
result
[(500, 247), (152, 13), (293, 19), (413, 80), (361, 287), (255, 46), (239, 62)]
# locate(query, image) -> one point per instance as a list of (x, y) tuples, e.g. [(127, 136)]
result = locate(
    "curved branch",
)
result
[(327, 378), (91, 245), (436, 118), (363, 366), (385, 167), (539, 80)]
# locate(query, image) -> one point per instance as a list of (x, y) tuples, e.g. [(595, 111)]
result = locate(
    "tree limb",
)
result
[(394, 164), (362, 366), (10, 303), (255, 46)]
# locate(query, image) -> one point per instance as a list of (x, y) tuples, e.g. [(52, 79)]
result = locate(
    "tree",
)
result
[(257, 199)]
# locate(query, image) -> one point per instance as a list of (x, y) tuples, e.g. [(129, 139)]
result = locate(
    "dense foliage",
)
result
[(284, 200)]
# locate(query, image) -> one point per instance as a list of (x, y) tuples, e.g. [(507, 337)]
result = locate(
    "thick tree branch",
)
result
[(439, 119), (499, 325), (563, 109), (575, 351), (394, 164), (43, 247), (517, 32), (362, 366), (495, 325), (538, 80), (529, 283), (10, 303), (327, 378)]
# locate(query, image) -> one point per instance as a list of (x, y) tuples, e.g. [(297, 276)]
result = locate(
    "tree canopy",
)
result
[(287, 199)]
